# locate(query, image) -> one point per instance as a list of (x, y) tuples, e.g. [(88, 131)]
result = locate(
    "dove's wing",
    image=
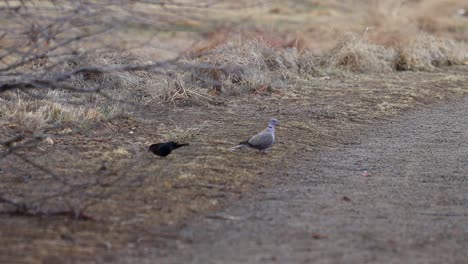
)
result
[(262, 140)]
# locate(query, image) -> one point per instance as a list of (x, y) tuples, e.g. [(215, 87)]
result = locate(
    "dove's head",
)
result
[(273, 123)]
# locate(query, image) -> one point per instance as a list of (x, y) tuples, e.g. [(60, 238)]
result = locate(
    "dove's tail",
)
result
[(240, 145)]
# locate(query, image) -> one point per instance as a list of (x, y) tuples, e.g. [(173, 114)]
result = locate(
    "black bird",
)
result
[(164, 149)]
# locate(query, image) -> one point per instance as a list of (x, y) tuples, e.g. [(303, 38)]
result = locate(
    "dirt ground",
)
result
[(395, 193), (318, 118), (364, 169)]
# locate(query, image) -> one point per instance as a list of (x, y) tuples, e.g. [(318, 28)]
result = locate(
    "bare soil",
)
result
[(396, 193), (149, 219)]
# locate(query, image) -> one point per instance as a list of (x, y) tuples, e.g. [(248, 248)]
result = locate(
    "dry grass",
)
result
[(121, 85), (247, 66), (388, 36), (180, 134), (403, 27), (248, 81), (204, 176), (426, 52), (240, 69), (358, 55), (30, 113)]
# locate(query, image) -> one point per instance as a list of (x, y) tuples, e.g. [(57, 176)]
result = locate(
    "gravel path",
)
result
[(397, 194)]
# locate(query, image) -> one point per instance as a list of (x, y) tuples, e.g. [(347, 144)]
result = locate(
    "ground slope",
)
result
[(396, 194), (143, 219)]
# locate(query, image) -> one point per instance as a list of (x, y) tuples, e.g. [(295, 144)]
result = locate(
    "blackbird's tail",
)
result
[(178, 145)]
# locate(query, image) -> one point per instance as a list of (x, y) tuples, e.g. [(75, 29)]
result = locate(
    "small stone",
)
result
[(346, 199), (49, 140), (66, 131), (319, 236)]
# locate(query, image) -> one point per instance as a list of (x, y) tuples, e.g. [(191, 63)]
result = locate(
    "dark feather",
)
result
[(164, 149)]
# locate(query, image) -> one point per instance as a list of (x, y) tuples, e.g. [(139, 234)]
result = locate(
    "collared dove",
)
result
[(263, 140), (164, 149)]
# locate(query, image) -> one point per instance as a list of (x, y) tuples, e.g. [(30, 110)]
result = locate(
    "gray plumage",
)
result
[(262, 140)]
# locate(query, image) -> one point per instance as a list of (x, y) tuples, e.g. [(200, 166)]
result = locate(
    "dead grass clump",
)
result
[(380, 51), (31, 113), (420, 51), (426, 52), (405, 26), (172, 84), (240, 68), (180, 87), (230, 69), (122, 85), (356, 54)]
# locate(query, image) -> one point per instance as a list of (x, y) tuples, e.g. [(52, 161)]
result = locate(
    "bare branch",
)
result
[(41, 53)]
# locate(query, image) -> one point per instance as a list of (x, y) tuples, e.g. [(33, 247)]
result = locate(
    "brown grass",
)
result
[(388, 36), (253, 80), (239, 68), (362, 53), (426, 52), (250, 67), (29, 113), (252, 64), (358, 55)]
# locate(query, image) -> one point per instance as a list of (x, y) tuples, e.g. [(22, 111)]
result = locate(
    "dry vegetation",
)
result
[(75, 121)]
